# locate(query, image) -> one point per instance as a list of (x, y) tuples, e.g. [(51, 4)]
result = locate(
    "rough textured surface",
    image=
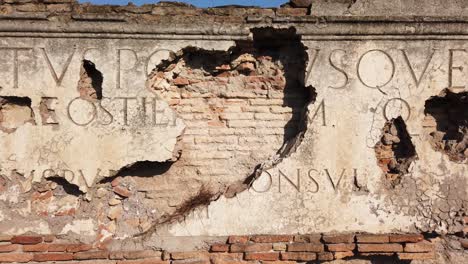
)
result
[(154, 133)]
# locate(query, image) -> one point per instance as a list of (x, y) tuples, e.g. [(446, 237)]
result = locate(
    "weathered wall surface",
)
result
[(170, 127)]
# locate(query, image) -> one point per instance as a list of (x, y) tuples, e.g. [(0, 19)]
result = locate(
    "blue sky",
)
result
[(199, 3)]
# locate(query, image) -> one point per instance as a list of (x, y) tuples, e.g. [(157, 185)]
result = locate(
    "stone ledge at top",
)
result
[(319, 8)]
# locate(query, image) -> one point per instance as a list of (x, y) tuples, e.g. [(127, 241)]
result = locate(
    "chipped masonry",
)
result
[(119, 136)]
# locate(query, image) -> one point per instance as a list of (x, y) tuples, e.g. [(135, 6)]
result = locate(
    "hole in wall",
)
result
[(395, 151), (145, 169), (15, 111), (64, 187), (446, 123), (90, 83)]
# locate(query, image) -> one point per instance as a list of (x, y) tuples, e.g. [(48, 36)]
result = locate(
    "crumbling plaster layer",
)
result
[(105, 144), (340, 145)]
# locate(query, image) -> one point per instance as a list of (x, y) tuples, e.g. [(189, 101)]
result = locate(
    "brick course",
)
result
[(270, 249)]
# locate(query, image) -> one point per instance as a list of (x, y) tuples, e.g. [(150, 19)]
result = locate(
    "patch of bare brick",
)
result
[(380, 248), (298, 256), (15, 112), (287, 250), (446, 122), (395, 152)]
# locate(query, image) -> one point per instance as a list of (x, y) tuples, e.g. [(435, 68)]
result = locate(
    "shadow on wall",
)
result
[(285, 45), (447, 124)]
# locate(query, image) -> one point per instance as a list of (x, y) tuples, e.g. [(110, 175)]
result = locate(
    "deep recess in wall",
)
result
[(145, 169), (64, 187), (90, 83), (446, 122), (395, 152), (14, 112)]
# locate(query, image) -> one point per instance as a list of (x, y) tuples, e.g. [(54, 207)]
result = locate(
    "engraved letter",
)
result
[(320, 106), (71, 118), (296, 186), (58, 78), (144, 110), (417, 80), (111, 117), (338, 69), (119, 65), (404, 103), (451, 68), (359, 66), (270, 182), (48, 112), (335, 186), (317, 187), (311, 64), (16, 64), (125, 107), (151, 55)]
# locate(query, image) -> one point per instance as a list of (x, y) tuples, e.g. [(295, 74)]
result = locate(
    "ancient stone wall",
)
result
[(329, 131)]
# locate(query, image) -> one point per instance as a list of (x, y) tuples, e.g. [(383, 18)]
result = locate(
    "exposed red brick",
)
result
[(115, 182), (314, 238), (372, 239), (91, 255), (42, 196), (279, 262), (336, 239), (298, 256), (69, 212), (69, 247), (180, 81), (191, 261), (271, 238), (8, 248), (341, 247), (144, 261), (141, 254), (49, 238), (380, 248), (26, 240), (464, 243), (4, 238), (342, 255), (122, 191), (219, 248), (117, 255), (215, 123), (325, 256), (279, 246), (416, 256), (36, 248), (58, 247), (424, 246), (262, 256), (406, 238), (251, 247), (238, 239), (16, 257), (42, 257), (78, 247), (373, 254), (216, 257), (190, 255), (309, 247)]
